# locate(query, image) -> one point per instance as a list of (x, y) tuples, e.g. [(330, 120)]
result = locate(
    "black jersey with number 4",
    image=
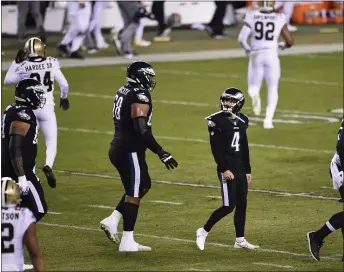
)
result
[(29, 148), (228, 141), (125, 137)]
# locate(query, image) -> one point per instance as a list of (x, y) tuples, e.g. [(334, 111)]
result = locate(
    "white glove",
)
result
[(23, 185), (281, 45)]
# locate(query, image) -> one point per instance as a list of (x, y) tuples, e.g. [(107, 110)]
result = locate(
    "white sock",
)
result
[(240, 239), (128, 236), (204, 232)]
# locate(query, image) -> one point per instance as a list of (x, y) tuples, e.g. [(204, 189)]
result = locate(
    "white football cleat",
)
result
[(133, 247), (110, 230), (268, 124), (256, 105), (28, 267), (245, 244), (201, 236), (142, 43)]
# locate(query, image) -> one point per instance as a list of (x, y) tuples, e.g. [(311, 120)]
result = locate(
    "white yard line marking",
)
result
[(274, 265), (198, 104), (165, 202), (179, 183), (82, 130), (196, 269), (101, 207), (49, 212), (184, 240)]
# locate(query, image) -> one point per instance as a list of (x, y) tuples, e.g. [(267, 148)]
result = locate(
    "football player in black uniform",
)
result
[(316, 238), (132, 116), (228, 140), (19, 144)]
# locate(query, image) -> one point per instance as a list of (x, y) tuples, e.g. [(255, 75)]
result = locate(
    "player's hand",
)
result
[(247, 52), (228, 175), (249, 178), (21, 56), (167, 159), (281, 45), (64, 103), (23, 185)]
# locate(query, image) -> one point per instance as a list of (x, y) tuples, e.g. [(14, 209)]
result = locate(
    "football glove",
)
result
[(21, 56), (23, 185), (167, 159), (64, 103), (281, 45)]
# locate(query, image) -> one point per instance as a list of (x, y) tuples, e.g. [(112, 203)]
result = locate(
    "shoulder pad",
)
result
[(142, 97), (212, 115)]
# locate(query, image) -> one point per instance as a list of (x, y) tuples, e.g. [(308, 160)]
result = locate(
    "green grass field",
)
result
[(292, 158)]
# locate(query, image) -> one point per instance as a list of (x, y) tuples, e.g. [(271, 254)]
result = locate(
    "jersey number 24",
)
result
[(46, 80)]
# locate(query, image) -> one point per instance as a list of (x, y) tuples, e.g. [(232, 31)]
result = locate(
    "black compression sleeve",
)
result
[(15, 145), (217, 150), (141, 128)]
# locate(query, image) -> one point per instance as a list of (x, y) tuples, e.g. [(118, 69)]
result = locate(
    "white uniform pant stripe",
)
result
[(36, 197), (225, 197), (137, 174), (3, 200)]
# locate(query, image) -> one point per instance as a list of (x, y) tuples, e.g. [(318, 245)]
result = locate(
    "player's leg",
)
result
[(47, 123), (82, 25), (336, 176), (69, 36), (315, 238), (272, 73), (240, 212), (35, 200), (139, 185), (228, 189), (255, 80), (139, 34)]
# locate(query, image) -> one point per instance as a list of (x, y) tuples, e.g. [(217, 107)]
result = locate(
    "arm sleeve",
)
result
[(12, 77), (243, 36), (341, 147), (62, 81), (216, 146)]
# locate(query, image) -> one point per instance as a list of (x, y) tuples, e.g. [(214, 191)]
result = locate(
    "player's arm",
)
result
[(18, 131), (12, 77), (341, 148), (243, 36), (246, 154), (64, 87), (31, 242), (289, 40), (139, 113)]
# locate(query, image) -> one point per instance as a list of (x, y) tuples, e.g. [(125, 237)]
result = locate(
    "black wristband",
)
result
[(15, 145), (141, 127)]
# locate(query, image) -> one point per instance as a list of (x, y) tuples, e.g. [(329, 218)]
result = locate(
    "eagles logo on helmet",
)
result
[(141, 74), (235, 96), (30, 92)]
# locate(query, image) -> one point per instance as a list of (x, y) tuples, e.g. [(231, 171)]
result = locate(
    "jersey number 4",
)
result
[(46, 80), (235, 141), (266, 30), (7, 234)]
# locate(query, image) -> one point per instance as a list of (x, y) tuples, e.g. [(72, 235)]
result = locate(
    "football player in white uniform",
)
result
[(32, 63), (265, 27), (18, 227)]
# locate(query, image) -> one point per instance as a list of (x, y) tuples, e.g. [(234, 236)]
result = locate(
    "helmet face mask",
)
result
[(10, 193), (30, 92), (232, 100), (34, 47), (141, 74)]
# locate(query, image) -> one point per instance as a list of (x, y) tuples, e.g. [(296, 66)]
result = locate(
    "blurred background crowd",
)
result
[(83, 23)]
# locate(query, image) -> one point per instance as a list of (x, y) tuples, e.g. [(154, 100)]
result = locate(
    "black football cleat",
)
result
[(50, 176), (314, 245)]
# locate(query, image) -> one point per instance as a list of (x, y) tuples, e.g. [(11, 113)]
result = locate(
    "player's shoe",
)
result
[(50, 176), (27, 267), (110, 230), (314, 245), (201, 236), (245, 244), (132, 247), (268, 124), (142, 43), (256, 104)]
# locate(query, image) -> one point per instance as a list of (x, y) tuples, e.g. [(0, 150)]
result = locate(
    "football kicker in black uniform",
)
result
[(19, 144), (132, 116), (316, 238), (228, 140)]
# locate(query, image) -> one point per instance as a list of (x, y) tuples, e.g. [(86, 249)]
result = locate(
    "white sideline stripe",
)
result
[(274, 265), (184, 240), (197, 104), (82, 130), (179, 183), (191, 56), (196, 269), (49, 212)]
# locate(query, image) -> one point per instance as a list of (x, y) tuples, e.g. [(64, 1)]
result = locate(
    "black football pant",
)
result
[(159, 14), (217, 21), (234, 196)]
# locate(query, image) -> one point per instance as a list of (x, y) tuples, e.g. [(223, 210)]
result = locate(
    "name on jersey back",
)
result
[(36, 67)]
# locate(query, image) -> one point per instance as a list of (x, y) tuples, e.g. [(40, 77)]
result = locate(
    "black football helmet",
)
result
[(30, 92), (233, 95), (141, 74)]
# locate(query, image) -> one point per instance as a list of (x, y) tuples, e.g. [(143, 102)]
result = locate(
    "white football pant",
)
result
[(335, 172), (265, 64), (46, 120)]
